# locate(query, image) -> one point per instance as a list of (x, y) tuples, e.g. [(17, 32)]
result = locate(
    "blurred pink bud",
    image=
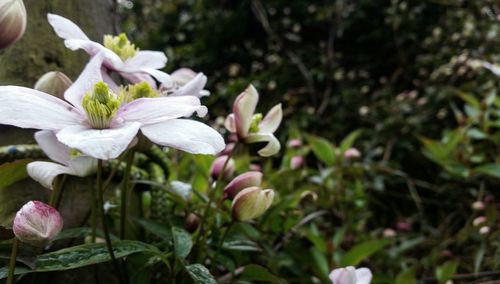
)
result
[(295, 143), (484, 230), (389, 233), (478, 221), (229, 148), (255, 167), (403, 226), (478, 206), (37, 223), (251, 202), (352, 153), (12, 21), (296, 162), (54, 83), (218, 167), (351, 275), (241, 182), (446, 253)]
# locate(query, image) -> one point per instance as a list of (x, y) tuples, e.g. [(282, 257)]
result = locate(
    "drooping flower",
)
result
[(94, 121), (252, 128), (251, 202), (46, 172), (54, 83), (12, 21), (241, 182), (37, 223), (119, 54), (351, 275), (187, 83)]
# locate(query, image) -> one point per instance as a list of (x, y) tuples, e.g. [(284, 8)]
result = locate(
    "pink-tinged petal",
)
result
[(65, 28), (102, 144), (106, 78), (111, 60), (251, 202), (343, 275), (273, 145), (55, 150), (162, 77), (243, 109), (138, 77), (193, 87), (272, 120), (45, 172), (186, 135), (28, 108), (183, 76), (230, 123), (363, 275), (90, 76), (36, 223), (154, 110), (83, 166), (222, 167), (145, 59), (241, 182)]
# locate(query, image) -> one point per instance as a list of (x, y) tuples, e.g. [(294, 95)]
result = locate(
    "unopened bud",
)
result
[(484, 230), (12, 21), (54, 83), (389, 233), (220, 165), (478, 206), (403, 226), (478, 221), (251, 202), (192, 222), (295, 143), (352, 153), (256, 167), (241, 182), (37, 223), (296, 162)]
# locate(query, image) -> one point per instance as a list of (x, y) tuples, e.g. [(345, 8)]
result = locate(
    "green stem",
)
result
[(93, 212), (55, 196), (221, 243), (125, 193), (12, 262), (100, 204)]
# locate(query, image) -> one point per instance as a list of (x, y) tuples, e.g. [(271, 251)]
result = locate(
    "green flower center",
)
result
[(120, 45), (137, 91), (256, 119), (101, 106)]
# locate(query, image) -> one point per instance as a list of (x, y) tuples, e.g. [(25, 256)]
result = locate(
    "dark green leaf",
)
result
[(446, 271), (80, 233), (13, 172), (362, 251), (158, 229), (349, 140), (200, 274), (255, 272), (4, 271), (182, 242), (489, 169), (323, 149), (406, 277)]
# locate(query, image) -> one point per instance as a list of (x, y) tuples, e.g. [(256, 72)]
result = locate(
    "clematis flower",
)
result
[(187, 83), (241, 182), (46, 172), (252, 128), (37, 223), (251, 202), (95, 122), (351, 275), (119, 54)]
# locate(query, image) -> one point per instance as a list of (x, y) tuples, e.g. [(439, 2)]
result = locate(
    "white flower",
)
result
[(351, 275)]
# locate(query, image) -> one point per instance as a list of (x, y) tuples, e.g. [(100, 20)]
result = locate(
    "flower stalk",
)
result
[(12, 262), (124, 194)]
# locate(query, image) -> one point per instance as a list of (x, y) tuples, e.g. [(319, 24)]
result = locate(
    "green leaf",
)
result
[(200, 274), (182, 242), (255, 272), (80, 233), (324, 150), (349, 140), (362, 251), (158, 229), (13, 172), (88, 254), (489, 169), (446, 271), (406, 277), (4, 271)]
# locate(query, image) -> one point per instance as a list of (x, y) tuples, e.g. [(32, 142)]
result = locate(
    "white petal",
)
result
[(28, 108), (102, 144), (108, 80), (186, 135), (230, 124), (111, 60), (345, 275), (272, 120), (273, 145), (145, 59), (138, 77), (54, 149), (46, 172), (244, 108), (363, 276), (90, 76), (193, 87), (183, 76), (83, 166), (154, 110), (65, 28), (162, 77)]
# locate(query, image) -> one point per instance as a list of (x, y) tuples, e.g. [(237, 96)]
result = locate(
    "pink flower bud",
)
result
[(403, 226), (295, 143), (229, 148), (192, 222), (241, 182), (255, 167), (12, 21), (54, 83), (296, 162), (37, 223), (478, 221), (478, 206), (351, 275), (484, 230), (352, 153), (389, 233), (218, 167), (251, 202)]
